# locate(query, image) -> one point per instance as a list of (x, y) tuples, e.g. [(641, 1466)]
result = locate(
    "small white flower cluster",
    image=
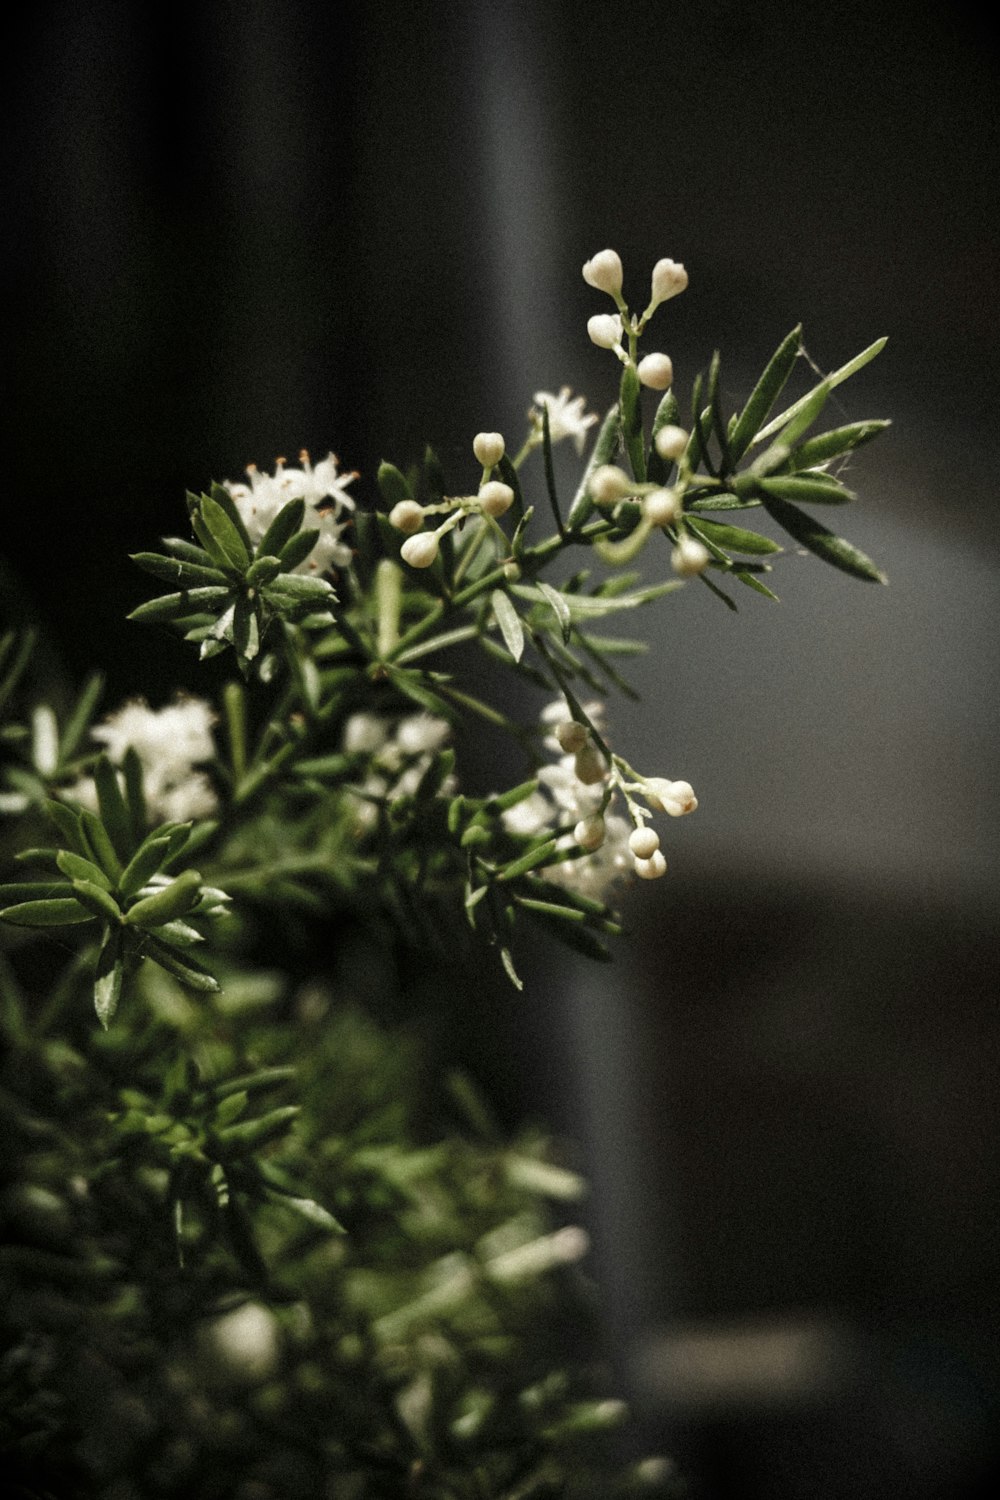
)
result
[(323, 488), (608, 330), (399, 754), (170, 742), (580, 788), (567, 418), (492, 500)]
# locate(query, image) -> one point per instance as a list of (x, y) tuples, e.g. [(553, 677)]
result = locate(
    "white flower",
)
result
[(398, 762), (605, 330), (669, 279), (566, 416), (644, 842), (673, 797), (170, 742), (604, 272), (651, 869), (323, 488), (656, 371)]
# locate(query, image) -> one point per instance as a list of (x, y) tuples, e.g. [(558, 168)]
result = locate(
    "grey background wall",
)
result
[(234, 229)]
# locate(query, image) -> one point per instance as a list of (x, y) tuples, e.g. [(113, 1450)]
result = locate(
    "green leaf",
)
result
[(667, 415), (831, 549), (21, 657), (172, 901), (630, 402), (413, 685), (97, 899), (180, 965), (145, 863), (827, 445), (764, 394), (807, 489), (99, 845), (250, 1134), (79, 720), (550, 475), (55, 911), (176, 571), (540, 855), (246, 630), (510, 476), (509, 621), (281, 530), (508, 964), (560, 608), (754, 583), (604, 451), (217, 531), (296, 550), (32, 890), (68, 823), (837, 378), (114, 813), (134, 795), (393, 485), (75, 867), (110, 976), (301, 588), (308, 1209), (224, 500), (185, 550), (177, 606), (733, 537)]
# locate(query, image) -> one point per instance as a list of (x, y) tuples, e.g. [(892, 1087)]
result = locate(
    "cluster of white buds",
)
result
[(494, 499), (582, 786), (609, 330)]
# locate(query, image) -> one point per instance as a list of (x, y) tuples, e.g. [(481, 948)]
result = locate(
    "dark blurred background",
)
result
[(233, 229)]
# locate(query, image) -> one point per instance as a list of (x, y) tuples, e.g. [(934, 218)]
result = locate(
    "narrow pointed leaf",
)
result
[(110, 976), (735, 538), (98, 900), (56, 911), (509, 621), (393, 484), (560, 608), (145, 863), (281, 530), (550, 475), (827, 445), (510, 476), (837, 378), (178, 572), (224, 500), (604, 451), (114, 813), (297, 549), (75, 867), (172, 901), (764, 394), (667, 415), (807, 489), (180, 965), (99, 845), (630, 402), (832, 549), (177, 606), (78, 722)]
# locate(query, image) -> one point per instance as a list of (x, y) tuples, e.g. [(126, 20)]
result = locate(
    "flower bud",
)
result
[(670, 442), (644, 842), (672, 797), (495, 498), (651, 869), (604, 272), (572, 736), (608, 484), (682, 800), (689, 557), (589, 833), (588, 765), (669, 278), (656, 371), (662, 507), (512, 570), (489, 448), (407, 515), (421, 550), (605, 330)]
